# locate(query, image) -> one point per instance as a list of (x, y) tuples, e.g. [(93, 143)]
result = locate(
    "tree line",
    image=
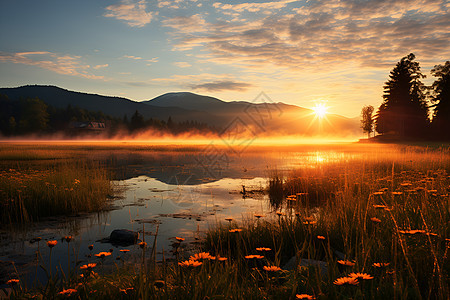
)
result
[(410, 109), (33, 116)]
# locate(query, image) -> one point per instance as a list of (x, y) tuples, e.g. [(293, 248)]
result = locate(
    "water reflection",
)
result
[(178, 193)]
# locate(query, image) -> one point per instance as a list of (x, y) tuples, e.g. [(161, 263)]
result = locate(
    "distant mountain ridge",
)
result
[(268, 118)]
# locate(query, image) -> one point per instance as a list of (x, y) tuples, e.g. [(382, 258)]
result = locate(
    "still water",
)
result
[(179, 193)]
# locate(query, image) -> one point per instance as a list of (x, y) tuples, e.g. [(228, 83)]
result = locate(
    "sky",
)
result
[(336, 53)]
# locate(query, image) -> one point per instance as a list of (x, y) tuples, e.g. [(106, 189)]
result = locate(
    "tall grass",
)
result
[(39, 184), (386, 215)]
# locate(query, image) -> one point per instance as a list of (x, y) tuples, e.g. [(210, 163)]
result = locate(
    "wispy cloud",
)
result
[(152, 60), (219, 86), (100, 66), (134, 13), (182, 64), (61, 64)]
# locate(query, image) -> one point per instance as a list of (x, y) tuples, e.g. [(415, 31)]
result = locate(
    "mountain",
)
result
[(186, 100), (114, 106), (267, 117), (236, 117)]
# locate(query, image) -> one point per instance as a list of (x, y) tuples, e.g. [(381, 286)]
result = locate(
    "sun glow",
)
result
[(320, 110)]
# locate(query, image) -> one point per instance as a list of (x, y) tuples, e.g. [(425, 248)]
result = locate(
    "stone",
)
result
[(123, 237)]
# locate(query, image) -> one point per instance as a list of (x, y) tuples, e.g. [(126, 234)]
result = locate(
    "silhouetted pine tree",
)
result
[(441, 96), (404, 110)]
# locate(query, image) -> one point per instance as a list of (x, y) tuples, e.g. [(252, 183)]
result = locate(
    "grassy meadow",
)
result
[(374, 225)]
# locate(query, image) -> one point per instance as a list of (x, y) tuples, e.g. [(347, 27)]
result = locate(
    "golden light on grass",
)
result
[(346, 281), (124, 250), (52, 244), (346, 263), (304, 296), (103, 254), (363, 276), (190, 263), (272, 268)]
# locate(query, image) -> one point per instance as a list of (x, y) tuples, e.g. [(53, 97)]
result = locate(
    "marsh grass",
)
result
[(38, 184), (386, 215)]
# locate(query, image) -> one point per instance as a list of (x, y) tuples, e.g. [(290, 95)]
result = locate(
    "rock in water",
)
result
[(123, 237)]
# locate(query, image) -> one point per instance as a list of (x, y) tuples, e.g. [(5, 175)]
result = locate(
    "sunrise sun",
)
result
[(320, 110)]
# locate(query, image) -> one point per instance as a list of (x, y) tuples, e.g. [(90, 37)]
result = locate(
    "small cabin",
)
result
[(87, 126)]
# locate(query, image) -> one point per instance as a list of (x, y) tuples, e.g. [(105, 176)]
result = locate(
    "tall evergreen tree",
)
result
[(441, 96), (404, 110), (137, 121)]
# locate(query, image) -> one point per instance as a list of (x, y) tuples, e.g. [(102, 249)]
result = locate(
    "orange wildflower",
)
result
[(259, 216), (180, 239), (346, 263), (346, 280), (200, 256), (52, 244), (380, 265), (235, 230), (263, 249), (190, 263), (229, 219), (254, 256), (67, 292), (89, 266), (142, 244), (304, 296), (12, 281), (377, 206), (364, 276), (272, 268), (375, 220), (103, 254), (320, 237), (68, 238)]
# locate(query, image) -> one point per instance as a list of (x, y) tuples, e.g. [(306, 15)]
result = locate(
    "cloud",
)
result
[(100, 66), (182, 64), (253, 7), (61, 64), (218, 86), (186, 24), (324, 35), (132, 12), (132, 57)]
